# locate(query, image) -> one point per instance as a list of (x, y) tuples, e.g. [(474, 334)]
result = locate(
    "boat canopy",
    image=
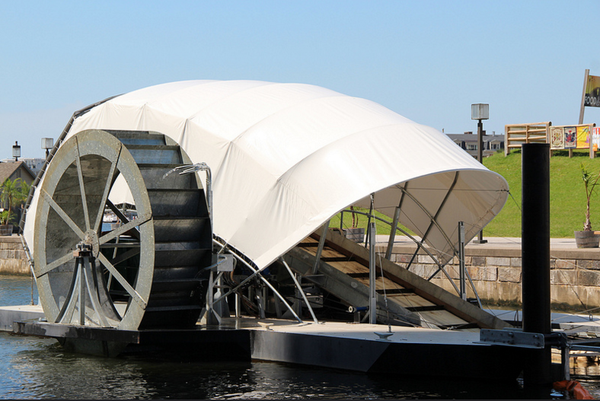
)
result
[(285, 158)]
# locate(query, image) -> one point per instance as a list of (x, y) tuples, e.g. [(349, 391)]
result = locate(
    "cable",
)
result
[(513, 198)]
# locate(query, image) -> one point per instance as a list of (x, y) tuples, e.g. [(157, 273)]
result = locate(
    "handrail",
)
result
[(419, 246), (417, 242)]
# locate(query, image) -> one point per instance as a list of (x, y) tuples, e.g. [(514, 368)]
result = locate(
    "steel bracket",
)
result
[(512, 338)]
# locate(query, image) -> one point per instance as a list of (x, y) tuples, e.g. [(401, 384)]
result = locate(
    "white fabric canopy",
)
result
[(287, 157)]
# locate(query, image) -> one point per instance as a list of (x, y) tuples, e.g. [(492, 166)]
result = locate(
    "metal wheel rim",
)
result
[(77, 156)]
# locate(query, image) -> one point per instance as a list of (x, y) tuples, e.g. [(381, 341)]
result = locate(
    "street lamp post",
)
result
[(480, 112)]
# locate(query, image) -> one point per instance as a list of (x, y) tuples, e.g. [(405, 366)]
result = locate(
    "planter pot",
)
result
[(355, 234), (587, 239), (6, 229)]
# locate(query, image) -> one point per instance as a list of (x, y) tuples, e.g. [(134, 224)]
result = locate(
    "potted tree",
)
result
[(588, 238), (11, 193)]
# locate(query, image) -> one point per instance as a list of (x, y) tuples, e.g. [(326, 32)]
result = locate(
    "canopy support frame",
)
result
[(321, 246), (433, 219), (256, 272)]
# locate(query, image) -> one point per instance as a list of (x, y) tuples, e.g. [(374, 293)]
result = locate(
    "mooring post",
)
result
[(535, 248)]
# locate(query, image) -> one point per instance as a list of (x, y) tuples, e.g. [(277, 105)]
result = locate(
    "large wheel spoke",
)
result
[(107, 187), (127, 255), (64, 216), (68, 308), (86, 214), (125, 227), (87, 272), (120, 215), (53, 265), (130, 290)]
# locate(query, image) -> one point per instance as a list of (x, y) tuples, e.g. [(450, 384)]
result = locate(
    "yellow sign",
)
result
[(592, 92), (583, 137)]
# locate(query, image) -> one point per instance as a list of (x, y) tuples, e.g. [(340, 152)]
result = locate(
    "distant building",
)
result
[(468, 141), (35, 165), (14, 170)]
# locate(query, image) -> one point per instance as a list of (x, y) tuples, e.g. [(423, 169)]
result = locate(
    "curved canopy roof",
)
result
[(287, 157)]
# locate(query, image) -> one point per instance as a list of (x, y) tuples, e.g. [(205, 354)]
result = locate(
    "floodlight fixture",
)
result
[(47, 144), (480, 111)]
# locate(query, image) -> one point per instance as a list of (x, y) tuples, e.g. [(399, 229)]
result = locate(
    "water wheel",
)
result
[(147, 271)]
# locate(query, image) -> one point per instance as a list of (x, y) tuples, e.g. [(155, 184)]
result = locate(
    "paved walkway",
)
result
[(494, 242), (515, 242)]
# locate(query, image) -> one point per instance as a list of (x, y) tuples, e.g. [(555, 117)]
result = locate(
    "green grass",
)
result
[(567, 194)]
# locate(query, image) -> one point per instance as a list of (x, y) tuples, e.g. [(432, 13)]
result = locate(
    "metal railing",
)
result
[(420, 246)]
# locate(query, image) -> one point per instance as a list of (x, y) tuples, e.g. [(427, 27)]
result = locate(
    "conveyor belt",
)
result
[(344, 272)]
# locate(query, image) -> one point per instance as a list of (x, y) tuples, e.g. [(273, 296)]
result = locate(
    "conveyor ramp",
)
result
[(343, 270)]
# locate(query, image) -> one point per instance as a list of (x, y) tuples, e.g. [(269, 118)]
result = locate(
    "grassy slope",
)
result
[(567, 195)]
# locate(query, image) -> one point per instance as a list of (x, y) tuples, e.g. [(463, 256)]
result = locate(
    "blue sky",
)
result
[(426, 60)]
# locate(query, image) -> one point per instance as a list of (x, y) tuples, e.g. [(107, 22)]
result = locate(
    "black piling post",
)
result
[(535, 248)]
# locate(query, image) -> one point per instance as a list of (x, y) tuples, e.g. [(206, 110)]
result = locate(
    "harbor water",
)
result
[(35, 367)]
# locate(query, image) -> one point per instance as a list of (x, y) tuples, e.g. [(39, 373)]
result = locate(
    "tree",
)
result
[(23, 192), (590, 184), (11, 193)]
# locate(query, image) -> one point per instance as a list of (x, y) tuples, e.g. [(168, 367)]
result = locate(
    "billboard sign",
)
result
[(592, 92)]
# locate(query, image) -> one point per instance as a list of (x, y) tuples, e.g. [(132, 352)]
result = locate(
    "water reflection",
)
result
[(586, 366), (39, 368), (43, 370), (17, 290)]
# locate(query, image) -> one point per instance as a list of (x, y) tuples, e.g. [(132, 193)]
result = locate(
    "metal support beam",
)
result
[(372, 275), (463, 272), (256, 272), (461, 259), (441, 269), (321, 246), (81, 304), (582, 108), (432, 218), (369, 216), (388, 252), (312, 313)]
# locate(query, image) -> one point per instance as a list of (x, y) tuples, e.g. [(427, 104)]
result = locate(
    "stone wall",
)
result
[(496, 274), (12, 256)]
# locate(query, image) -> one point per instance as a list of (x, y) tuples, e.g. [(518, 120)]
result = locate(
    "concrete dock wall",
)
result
[(496, 273), (12, 256)]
